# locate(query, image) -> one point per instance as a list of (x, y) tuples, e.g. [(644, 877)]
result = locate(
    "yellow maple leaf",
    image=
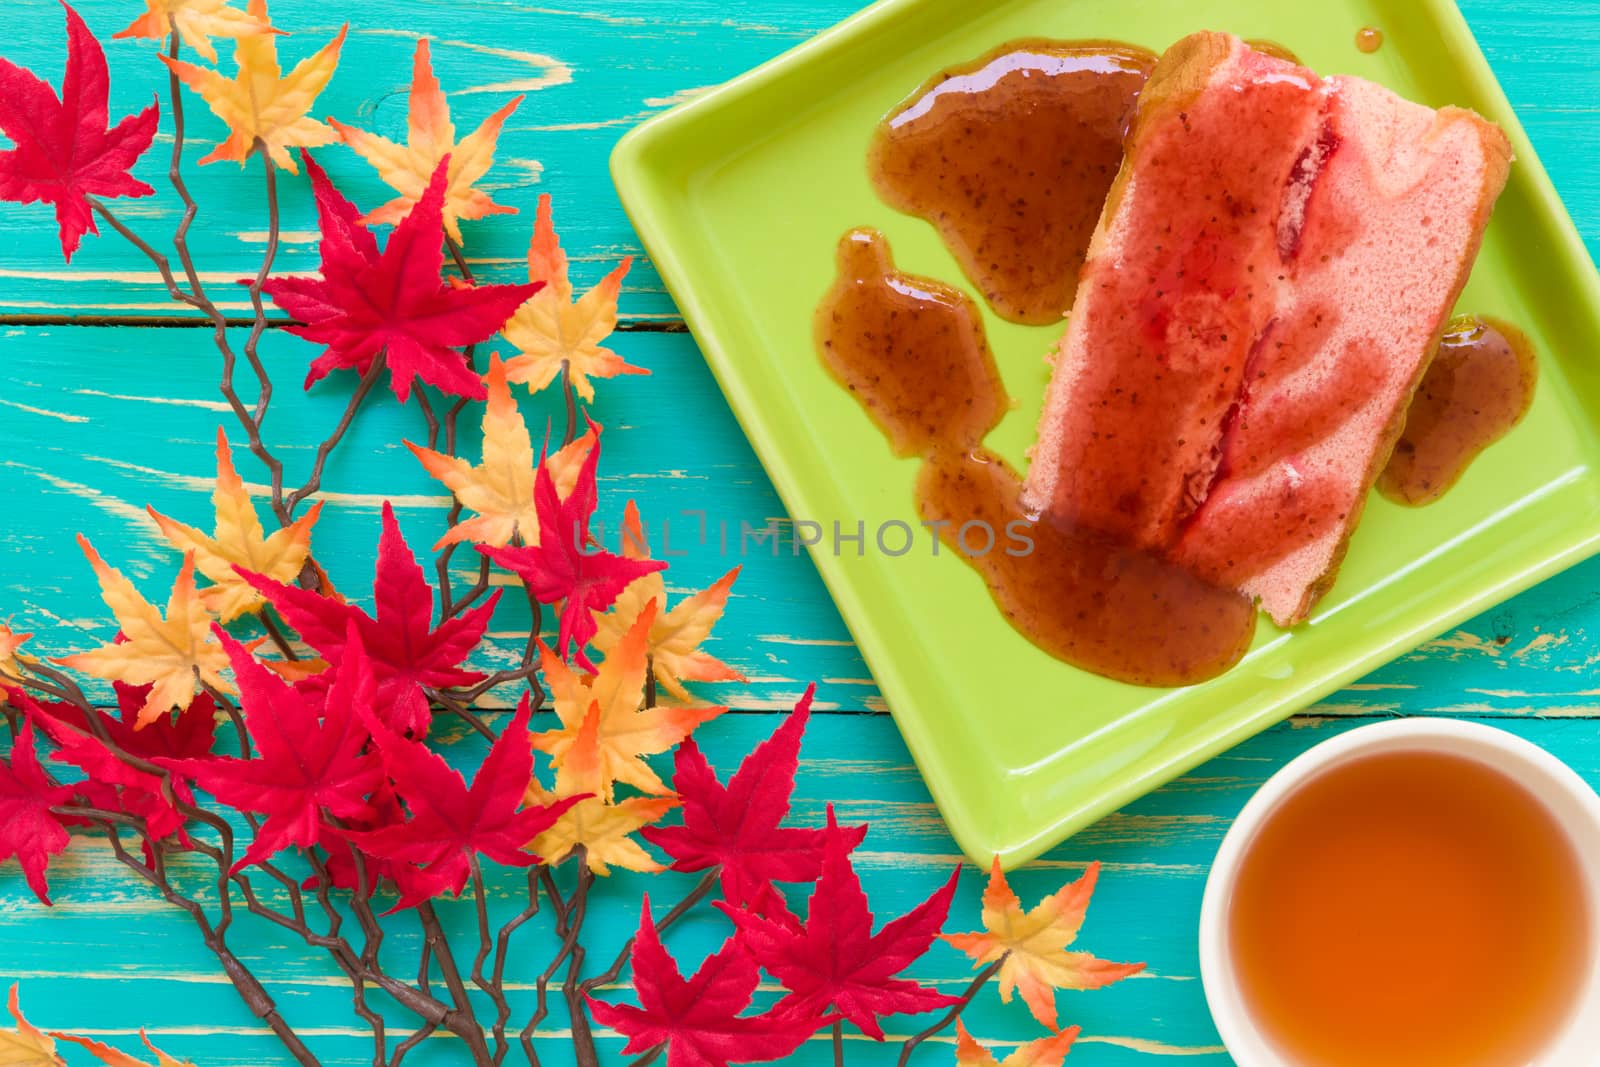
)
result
[(500, 489), (168, 654), (430, 136), (624, 731), (259, 103), (10, 659), (1033, 945), (239, 540), (675, 636), (1045, 1052), (604, 829), (550, 331), (196, 21), (26, 1045), (117, 1058)]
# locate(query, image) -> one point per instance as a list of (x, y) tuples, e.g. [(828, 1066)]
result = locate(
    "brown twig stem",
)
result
[(369, 378), (279, 639), (250, 989), (707, 883), (464, 1019), (571, 395), (950, 1016), (569, 939), (572, 988)]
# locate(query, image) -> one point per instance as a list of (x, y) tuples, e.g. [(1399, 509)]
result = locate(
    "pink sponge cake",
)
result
[(1266, 286)]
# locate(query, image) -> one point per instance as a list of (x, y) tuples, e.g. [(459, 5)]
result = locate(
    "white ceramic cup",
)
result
[(1567, 796)]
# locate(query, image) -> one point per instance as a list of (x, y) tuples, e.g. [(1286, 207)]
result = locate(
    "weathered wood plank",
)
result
[(591, 69), (108, 945)]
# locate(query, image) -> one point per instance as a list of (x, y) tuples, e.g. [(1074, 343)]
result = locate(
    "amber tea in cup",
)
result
[(1412, 893), (1409, 908)]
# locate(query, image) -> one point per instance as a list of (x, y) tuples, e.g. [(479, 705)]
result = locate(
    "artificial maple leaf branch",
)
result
[(359, 968), (155, 872), (195, 296), (254, 994)]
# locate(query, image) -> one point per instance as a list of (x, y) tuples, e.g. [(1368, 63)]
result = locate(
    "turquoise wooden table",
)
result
[(107, 404)]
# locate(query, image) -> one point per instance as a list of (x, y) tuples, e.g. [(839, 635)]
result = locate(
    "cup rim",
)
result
[(1532, 766)]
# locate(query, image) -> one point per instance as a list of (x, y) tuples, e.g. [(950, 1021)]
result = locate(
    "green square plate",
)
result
[(740, 197)]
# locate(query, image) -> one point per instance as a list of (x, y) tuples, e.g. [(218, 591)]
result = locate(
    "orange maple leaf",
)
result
[(625, 732), (550, 331), (260, 103), (430, 136), (601, 826), (1032, 946), (676, 635), (290, 670), (239, 540), (27, 1045), (1045, 1052), (196, 22), (500, 489), (117, 1058), (10, 659), (171, 654)]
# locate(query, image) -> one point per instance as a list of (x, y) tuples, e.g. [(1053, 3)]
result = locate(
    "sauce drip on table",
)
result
[(1011, 158), (912, 352), (1477, 389)]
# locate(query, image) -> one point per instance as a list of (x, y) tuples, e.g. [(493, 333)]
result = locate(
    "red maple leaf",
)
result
[(394, 301), (564, 565), (112, 783), (698, 1020), (66, 150), (833, 961), (738, 828), (451, 822), (307, 760), (189, 733), (28, 829), (407, 653)]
